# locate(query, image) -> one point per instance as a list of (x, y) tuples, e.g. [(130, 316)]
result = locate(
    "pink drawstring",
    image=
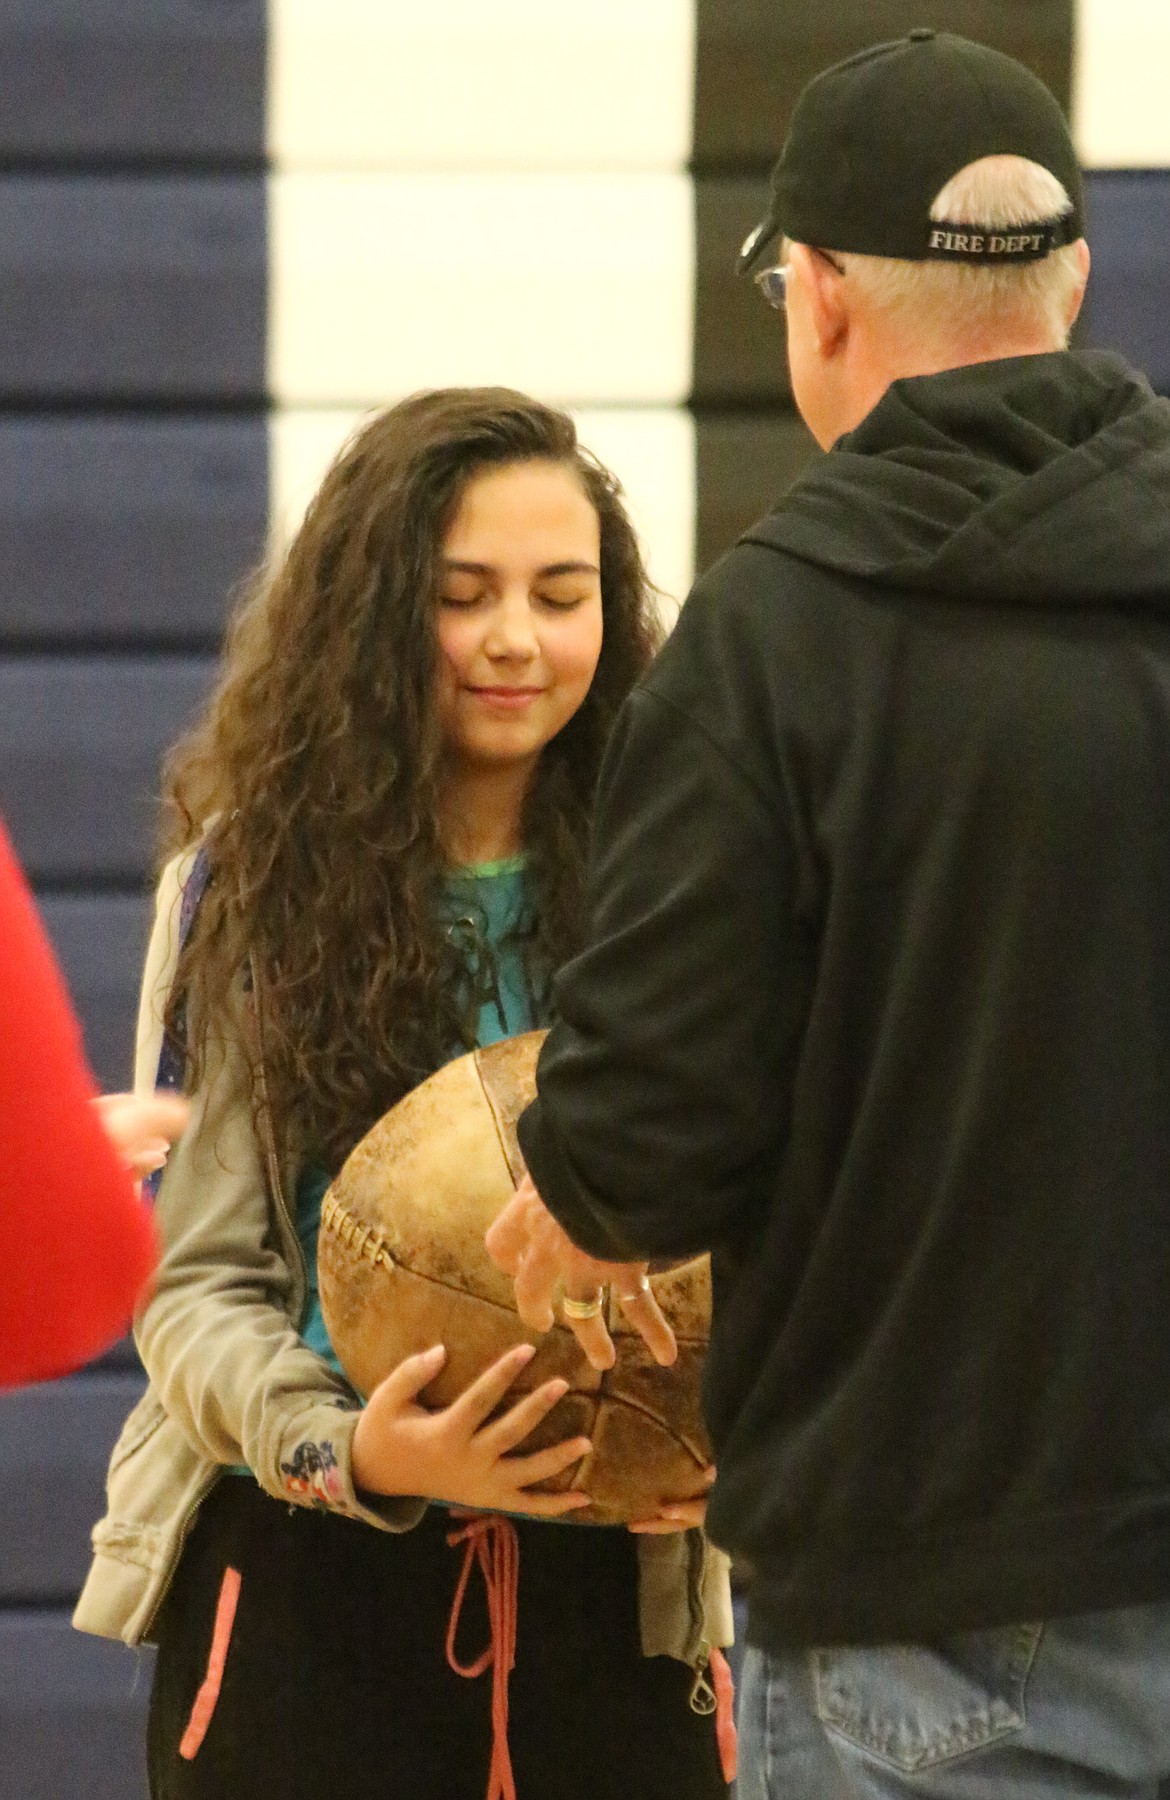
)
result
[(726, 1735), (491, 1540), (205, 1699)]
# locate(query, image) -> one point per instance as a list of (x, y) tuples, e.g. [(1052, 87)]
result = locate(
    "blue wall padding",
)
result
[(121, 1355), (127, 530), (81, 739), (124, 80), (1129, 234), (132, 288), (72, 1712), (61, 1434), (101, 940)]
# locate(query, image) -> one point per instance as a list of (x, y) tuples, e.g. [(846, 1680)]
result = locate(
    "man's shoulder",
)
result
[(750, 570), (765, 641), (761, 591)]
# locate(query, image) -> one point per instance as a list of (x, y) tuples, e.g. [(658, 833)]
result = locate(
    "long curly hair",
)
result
[(312, 779)]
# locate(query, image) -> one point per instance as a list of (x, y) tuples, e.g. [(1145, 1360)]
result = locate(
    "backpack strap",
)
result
[(172, 1062)]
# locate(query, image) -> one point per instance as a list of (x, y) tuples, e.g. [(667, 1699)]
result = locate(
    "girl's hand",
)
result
[(461, 1454), (142, 1127), (678, 1515)]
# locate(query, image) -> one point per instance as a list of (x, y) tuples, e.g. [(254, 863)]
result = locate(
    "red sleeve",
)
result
[(77, 1245)]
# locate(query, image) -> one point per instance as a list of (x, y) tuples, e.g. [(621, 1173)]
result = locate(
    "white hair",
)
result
[(940, 301)]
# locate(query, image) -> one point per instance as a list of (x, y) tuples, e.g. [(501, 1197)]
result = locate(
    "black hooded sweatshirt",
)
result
[(875, 1005)]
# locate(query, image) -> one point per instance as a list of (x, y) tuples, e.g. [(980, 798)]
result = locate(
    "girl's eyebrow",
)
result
[(550, 569)]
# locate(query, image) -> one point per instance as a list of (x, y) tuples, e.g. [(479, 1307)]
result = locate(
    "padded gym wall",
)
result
[(228, 228), (133, 492)]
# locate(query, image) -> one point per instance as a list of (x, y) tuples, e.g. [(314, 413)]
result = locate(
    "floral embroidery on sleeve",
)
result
[(313, 1475)]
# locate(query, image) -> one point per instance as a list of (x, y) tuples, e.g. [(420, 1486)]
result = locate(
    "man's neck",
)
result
[(874, 375)]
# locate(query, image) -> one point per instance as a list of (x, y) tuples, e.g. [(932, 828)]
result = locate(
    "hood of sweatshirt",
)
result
[(1038, 479)]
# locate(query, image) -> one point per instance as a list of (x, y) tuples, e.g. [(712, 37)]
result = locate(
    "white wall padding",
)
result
[(1121, 114), (301, 446), (450, 84), (576, 287), (651, 451)]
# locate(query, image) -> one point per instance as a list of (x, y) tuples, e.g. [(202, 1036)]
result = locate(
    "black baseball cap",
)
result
[(876, 138)]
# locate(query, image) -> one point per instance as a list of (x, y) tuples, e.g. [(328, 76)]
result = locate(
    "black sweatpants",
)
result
[(335, 1679)]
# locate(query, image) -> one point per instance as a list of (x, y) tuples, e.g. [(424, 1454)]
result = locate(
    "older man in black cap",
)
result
[(876, 1001)]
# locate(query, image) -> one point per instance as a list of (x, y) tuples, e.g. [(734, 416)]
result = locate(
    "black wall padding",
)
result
[(122, 289), (127, 530), (72, 1712), (60, 1435), (80, 744), (754, 56), (1128, 233), (132, 80), (744, 464), (739, 349), (100, 940)]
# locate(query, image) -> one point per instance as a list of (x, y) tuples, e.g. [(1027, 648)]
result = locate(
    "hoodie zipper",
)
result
[(276, 1187), (702, 1699)]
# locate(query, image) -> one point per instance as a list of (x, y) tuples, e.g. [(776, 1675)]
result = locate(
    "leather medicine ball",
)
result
[(403, 1265)]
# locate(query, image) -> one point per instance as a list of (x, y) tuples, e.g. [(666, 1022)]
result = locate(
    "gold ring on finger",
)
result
[(643, 1287), (584, 1309)]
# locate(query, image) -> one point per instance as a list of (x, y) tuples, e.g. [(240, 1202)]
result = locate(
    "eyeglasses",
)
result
[(773, 282)]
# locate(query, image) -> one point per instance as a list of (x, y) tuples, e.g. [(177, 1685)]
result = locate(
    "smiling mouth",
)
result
[(506, 696)]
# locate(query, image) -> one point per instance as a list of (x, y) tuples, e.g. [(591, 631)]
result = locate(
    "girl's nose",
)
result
[(512, 630)]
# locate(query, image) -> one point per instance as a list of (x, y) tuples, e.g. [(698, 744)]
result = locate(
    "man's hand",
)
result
[(463, 1453), (678, 1515), (527, 1243), (142, 1127)]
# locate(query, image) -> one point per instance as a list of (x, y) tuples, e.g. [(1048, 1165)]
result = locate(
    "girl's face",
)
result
[(519, 614)]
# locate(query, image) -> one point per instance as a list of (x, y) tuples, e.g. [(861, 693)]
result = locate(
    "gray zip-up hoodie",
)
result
[(231, 1381)]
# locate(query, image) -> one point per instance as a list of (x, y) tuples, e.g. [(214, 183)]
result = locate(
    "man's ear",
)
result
[(827, 305), (1085, 260)]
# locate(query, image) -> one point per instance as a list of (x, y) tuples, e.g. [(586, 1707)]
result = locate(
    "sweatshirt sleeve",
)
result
[(215, 1335), (664, 1087), (76, 1243)]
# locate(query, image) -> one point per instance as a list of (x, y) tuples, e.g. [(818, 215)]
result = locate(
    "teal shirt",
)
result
[(487, 911), (486, 908)]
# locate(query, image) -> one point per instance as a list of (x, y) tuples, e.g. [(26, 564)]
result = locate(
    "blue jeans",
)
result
[(1025, 1712)]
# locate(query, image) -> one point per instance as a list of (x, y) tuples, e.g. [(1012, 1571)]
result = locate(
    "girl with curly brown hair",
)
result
[(377, 837)]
